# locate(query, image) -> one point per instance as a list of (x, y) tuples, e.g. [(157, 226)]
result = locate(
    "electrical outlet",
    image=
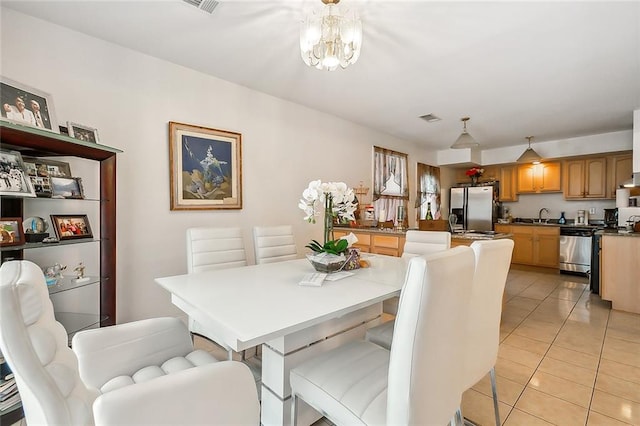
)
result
[(592, 210)]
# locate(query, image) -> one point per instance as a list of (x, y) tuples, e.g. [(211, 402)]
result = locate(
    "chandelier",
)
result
[(331, 37)]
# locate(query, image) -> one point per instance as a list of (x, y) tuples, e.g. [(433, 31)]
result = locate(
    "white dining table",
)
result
[(265, 305)]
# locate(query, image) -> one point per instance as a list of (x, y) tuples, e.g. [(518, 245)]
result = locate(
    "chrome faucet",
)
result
[(542, 210)]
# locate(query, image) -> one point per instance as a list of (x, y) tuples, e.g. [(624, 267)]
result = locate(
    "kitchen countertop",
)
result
[(568, 225), (614, 233), (479, 236)]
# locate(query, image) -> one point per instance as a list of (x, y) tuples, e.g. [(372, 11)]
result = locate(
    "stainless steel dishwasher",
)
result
[(575, 249)]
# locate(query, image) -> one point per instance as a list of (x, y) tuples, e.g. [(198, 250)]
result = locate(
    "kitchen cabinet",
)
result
[(539, 178), (620, 169), (379, 242), (508, 180), (620, 271), (96, 159), (585, 178), (534, 245)]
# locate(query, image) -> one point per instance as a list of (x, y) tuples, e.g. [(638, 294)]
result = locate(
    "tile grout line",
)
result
[(547, 351)]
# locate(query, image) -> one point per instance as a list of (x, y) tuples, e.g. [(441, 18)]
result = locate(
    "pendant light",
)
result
[(465, 140), (529, 155)]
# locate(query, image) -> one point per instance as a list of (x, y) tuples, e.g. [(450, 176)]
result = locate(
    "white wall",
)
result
[(130, 98)]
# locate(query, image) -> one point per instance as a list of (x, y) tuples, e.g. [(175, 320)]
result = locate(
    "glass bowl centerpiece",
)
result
[(339, 202)]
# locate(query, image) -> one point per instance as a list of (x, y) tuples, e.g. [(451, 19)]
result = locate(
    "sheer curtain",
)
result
[(428, 191), (390, 183)]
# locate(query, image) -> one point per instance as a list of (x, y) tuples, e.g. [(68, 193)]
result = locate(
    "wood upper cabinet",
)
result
[(508, 175), (620, 170), (585, 178), (535, 178)]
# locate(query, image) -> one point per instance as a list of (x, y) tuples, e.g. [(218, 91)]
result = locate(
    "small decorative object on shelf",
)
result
[(79, 270), (53, 273), (474, 173), (34, 229), (339, 202)]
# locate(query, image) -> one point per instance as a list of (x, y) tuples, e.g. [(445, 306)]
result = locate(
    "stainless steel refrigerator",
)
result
[(475, 207)]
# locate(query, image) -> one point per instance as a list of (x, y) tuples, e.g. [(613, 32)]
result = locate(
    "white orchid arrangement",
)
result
[(339, 201)]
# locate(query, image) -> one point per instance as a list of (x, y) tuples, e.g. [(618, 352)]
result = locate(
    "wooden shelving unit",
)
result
[(40, 143)]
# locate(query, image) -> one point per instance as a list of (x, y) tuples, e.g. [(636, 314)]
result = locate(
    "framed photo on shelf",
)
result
[(64, 187), (69, 227), (205, 168), (22, 104), (81, 132), (14, 179), (11, 233)]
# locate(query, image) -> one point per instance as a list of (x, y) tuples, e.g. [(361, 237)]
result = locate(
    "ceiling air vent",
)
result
[(430, 118), (204, 5)]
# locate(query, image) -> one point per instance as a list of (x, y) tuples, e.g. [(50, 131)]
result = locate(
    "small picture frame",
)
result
[(14, 179), (11, 233), (64, 187), (47, 168), (70, 227), (82, 132), (27, 106)]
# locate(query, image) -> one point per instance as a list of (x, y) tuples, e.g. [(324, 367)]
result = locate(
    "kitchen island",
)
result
[(467, 238), (620, 270)]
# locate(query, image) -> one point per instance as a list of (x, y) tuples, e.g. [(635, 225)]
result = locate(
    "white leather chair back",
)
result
[(427, 350), (214, 248), (35, 346), (419, 243), (493, 259), (274, 244)]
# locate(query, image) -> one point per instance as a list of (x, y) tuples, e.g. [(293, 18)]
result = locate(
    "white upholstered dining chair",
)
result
[(144, 372), (417, 243), (209, 249), (416, 382), (482, 339), (214, 248), (274, 244)]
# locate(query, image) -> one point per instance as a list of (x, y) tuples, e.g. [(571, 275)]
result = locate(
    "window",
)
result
[(428, 191), (390, 183)]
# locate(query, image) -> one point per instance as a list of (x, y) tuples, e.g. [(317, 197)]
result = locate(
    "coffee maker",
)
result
[(611, 218)]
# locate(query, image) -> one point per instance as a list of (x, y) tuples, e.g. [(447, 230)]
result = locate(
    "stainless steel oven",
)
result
[(575, 249)]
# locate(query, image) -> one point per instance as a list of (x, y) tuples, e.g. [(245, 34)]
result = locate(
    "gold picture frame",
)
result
[(205, 168)]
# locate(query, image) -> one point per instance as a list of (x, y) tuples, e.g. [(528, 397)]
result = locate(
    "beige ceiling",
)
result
[(550, 69)]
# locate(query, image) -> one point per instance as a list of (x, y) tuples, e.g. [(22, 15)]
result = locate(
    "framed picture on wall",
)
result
[(27, 106), (11, 233), (81, 132), (69, 227), (205, 168)]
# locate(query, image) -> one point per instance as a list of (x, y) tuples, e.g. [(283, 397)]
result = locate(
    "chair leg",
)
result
[(458, 419), (495, 395), (294, 410)]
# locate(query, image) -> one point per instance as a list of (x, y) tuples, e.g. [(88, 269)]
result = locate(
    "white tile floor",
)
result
[(565, 358)]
